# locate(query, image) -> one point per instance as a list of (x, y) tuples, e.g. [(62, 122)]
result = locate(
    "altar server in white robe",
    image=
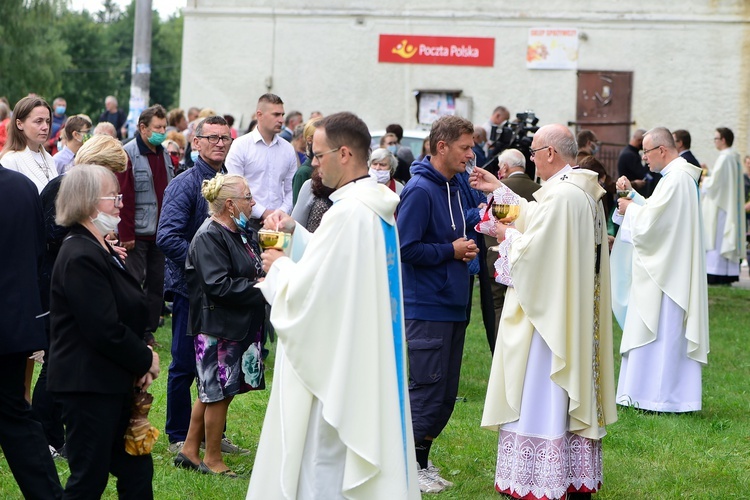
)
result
[(659, 291), (338, 423), (551, 388), (724, 212)]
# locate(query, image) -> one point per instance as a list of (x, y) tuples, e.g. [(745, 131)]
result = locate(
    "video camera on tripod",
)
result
[(517, 134)]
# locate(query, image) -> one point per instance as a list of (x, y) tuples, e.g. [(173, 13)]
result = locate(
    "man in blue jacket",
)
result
[(183, 211), (434, 255)]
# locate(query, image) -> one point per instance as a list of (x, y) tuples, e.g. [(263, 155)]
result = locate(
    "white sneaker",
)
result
[(175, 447), (427, 482), (435, 472)]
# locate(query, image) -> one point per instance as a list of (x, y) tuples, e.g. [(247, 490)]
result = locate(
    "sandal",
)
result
[(185, 463), (202, 467)]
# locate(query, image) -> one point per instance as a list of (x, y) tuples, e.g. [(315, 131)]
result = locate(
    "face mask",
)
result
[(481, 144), (85, 137), (382, 176), (194, 156), (105, 223), (156, 138), (594, 149), (60, 110), (242, 222), (175, 157), (393, 148)]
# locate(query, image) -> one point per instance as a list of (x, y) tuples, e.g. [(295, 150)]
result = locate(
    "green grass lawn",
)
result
[(700, 455)]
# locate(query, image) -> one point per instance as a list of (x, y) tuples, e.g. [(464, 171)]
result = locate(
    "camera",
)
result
[(517, 134)]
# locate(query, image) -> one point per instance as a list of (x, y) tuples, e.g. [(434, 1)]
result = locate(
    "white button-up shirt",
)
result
[(268, 168)]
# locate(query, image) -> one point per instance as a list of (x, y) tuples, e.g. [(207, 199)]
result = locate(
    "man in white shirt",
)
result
[(266, 160), (659, 291)]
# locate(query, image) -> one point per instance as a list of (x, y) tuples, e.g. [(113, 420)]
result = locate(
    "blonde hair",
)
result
[(103, 150), (177, 137), (310, 127), (222, 187), (79, 193), (206, 112)]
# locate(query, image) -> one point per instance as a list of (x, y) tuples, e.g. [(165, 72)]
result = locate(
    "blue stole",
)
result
[(394, 287)]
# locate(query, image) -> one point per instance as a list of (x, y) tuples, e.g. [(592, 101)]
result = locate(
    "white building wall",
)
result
[(691, 66)]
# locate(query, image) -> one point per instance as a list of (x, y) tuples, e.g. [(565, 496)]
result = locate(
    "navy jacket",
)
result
[(22, 236), (183, 211), (436, 286)]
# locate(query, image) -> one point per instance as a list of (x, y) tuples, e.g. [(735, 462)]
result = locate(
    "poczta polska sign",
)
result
[(457, 51)]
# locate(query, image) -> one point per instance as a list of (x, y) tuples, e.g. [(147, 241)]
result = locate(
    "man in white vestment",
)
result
[(338, 423), (723, 206), (551, 388), (659, 291)]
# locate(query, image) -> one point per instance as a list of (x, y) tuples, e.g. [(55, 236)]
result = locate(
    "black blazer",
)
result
[(21, 250), (221, 277), (98, 315), (690, 158)]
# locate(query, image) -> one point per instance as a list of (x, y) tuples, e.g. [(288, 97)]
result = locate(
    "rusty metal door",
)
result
[(604, 100)]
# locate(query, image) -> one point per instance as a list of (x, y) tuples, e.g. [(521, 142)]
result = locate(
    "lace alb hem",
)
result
[(547, 468)]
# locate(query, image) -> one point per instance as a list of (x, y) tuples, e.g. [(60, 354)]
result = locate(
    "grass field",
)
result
[(700, 455)]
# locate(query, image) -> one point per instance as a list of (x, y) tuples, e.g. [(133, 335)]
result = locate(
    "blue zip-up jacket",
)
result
[(436, 286), (183, 211)]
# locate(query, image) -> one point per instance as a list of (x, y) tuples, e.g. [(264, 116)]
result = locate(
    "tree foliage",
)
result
[(50, 50)]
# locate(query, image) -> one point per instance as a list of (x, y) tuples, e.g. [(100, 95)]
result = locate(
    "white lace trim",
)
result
[(546, 468), (502, 264)]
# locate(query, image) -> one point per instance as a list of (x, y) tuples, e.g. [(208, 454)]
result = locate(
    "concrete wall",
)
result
[(691, 67)]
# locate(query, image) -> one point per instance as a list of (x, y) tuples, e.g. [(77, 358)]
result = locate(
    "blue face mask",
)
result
[(393, 148), (194, 156), (60, 110), (242, 222), (156, 138)]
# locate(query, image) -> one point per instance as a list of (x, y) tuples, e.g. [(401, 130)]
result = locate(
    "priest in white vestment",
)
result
[(551, 388), (723, 206), (659, 290), (338, 423)]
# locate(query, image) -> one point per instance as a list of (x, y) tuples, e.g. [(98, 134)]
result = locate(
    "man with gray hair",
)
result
[(113, 115), (512, 173), (659, 290), (552, 379)]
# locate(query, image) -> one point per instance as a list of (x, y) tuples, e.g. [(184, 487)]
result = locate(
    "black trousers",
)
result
[(21, 437), (146, 263), (95, 425)]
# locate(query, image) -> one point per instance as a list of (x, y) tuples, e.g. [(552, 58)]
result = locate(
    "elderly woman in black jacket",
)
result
[(227, 314), (97, 355)]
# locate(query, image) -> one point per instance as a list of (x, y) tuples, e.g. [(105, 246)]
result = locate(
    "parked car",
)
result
[(412, 138)]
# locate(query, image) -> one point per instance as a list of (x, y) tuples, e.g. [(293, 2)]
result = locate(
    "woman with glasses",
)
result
[(100, 150), (28, 131), (227, 314), (97, 356)]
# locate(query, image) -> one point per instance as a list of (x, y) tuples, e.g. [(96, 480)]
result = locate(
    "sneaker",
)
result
[(427, 482), (432, 469), (228, 447), (175, 447)]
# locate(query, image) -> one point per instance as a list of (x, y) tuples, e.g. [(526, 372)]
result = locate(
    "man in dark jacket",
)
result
[(21, 333), (434, 254), (183, 211)]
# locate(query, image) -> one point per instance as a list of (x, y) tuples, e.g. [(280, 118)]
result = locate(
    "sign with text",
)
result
[(552, 48), (457, 51)]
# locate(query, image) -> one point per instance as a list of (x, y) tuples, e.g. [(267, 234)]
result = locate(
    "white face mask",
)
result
[(105, 223), (383, 176)]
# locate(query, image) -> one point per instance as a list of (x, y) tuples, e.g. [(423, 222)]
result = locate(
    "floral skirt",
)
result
[(227, 367)]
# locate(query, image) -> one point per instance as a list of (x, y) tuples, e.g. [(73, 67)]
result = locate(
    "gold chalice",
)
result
[(273, 239)]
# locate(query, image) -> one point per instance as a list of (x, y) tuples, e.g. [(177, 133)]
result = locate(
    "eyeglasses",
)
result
[(321, 155), (117, 199), (647, 151), (214, 139), (247, 197), (533, 151)]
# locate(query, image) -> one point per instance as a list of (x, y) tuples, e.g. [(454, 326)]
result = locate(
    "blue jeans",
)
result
[(182, 373)]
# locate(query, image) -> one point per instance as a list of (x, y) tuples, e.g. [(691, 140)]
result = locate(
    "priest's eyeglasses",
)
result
[(647, 151), (534, 151)]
